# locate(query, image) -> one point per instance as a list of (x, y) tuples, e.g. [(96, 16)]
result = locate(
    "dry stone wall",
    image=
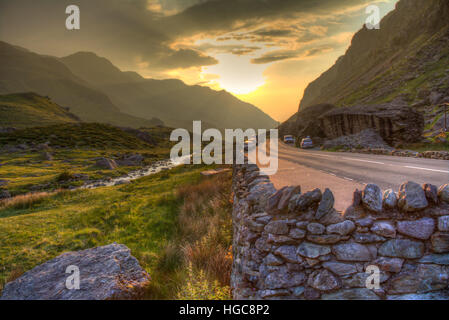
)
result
[(293, 245)]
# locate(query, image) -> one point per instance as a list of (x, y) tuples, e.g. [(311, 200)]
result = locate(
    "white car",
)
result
[(306, 143)]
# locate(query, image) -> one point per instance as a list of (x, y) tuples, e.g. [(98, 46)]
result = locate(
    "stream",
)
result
[(154, 168)]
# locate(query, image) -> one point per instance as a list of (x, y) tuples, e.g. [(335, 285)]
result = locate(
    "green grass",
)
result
[(24, 110), (74, 149), (143, 215), (25, 171), (421, 147), (434, 70), (80, 135)]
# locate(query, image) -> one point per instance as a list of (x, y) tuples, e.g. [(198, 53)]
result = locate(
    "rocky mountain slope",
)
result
[(404, 63), (25, 71), (24, 110), (176, 103)]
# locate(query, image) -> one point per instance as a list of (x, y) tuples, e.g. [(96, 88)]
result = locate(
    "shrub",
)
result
[(65, 176), (199, 287), (25, 201), (170, 259)]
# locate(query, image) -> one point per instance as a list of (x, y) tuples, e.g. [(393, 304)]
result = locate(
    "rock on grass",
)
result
[(108, 272)]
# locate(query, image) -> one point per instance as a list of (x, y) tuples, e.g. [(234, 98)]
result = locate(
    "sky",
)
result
[(265, 52)]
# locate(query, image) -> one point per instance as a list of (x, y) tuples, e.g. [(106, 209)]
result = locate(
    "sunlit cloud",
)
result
[(242, 46), (236, 74)]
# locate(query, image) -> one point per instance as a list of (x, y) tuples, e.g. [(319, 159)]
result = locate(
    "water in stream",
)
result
[(152, 169)]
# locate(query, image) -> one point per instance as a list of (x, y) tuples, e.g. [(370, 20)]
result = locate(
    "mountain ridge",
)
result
[(24, 110), (405, 62), (373, 52), (95, 90), (171, 100), (23, 71)]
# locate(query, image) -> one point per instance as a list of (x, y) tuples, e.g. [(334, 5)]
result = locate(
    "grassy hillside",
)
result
[(178, 227), (408, 50), (25, 71), (176, 103), (404, 62), (82, 135), (399, 79), (24, 110), (74, 149)]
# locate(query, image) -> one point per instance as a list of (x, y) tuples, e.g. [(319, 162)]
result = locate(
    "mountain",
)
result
[(24, 71), (176, 103), (405, 62), (25, 110)]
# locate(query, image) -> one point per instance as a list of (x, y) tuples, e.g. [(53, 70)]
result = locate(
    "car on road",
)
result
[(289, 139), (251, 142), (306, 143)]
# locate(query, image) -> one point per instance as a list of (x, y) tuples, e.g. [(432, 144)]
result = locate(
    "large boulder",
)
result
[(131, 160), (412, 197), (108, 272), (106, 163)]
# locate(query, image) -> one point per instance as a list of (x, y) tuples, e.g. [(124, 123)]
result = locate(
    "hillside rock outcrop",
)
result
[(108, 272), (394, 123)]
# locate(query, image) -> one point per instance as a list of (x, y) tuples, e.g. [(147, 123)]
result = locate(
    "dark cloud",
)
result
[(274, 32), (184, 58), (134, 31), (317, 51), (279, 55), (275, 56), (121, 30), (228, 15)]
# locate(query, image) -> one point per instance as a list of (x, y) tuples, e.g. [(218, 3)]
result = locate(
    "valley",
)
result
[(90, 186)]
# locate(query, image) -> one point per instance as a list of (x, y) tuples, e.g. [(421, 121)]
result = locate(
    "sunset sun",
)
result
[(236, 74)]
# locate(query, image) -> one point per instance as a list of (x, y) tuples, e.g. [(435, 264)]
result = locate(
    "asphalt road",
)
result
[(343, 172)]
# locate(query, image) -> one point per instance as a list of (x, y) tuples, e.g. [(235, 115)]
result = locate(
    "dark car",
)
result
[(289, 139)]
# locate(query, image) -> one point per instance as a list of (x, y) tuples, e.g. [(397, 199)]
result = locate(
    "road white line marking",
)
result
[(316, 154), (419, 168), (348, 179), (377, 162)]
